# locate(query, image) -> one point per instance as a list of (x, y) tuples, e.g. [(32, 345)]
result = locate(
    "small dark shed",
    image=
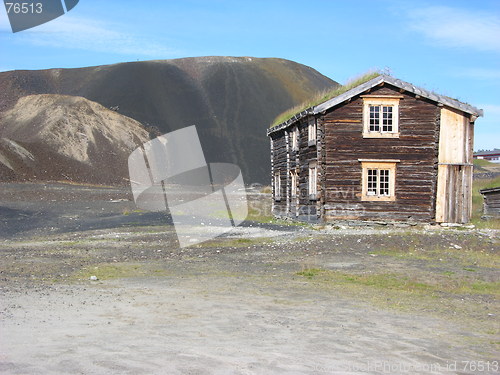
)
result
[(384, 150), (491, 202)]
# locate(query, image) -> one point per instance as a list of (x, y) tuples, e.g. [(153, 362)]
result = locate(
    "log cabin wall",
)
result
[(308, 206), (416, 151), (293, 201), (278, 162), (491, 208)]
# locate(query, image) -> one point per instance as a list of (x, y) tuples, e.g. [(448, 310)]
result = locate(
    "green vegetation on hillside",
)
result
[(323, 97), (482, 163)]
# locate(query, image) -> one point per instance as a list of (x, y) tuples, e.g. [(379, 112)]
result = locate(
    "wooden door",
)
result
[(457, 208)]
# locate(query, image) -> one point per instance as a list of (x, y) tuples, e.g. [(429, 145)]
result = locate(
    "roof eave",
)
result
[(320, 108)]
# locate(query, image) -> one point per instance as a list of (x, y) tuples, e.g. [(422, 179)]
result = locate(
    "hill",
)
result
[(232, 100), (56, 137)]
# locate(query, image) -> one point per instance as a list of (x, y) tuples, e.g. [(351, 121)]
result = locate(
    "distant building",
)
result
[(493, 155), (384, 150), (491, 207)]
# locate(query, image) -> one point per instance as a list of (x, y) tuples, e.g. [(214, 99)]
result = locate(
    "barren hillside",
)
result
[(232, 100), (57, 137)]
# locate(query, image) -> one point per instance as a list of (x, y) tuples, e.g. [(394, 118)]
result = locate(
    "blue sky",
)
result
[(451, 47)]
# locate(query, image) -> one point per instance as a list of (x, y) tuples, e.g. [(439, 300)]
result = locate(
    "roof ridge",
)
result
[(445, 100)]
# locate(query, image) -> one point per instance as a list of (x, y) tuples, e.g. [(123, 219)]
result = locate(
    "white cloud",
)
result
[(458, 27), (480, 73), (74, 32)]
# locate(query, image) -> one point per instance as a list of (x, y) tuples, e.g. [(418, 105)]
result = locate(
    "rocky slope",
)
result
[(232, 100), (57, 137)]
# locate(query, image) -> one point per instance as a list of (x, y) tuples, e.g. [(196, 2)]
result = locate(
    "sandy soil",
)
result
[(236, 305)]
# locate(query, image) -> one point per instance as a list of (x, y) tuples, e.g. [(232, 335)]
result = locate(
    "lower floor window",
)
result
[(293, 183), (313, 180), (378, 182), (379, 179), (277, 185)]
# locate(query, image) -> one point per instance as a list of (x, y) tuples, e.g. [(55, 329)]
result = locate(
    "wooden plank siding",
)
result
[(416, 149), (454, 183), (308, 209), (278, 155), (285, 160), (491, 207), (418, 170)]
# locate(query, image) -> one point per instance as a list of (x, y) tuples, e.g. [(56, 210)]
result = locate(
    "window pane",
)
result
[(387, 118), (372, 182), (311, 131), (374, 118), (312, 180), (384, 182)]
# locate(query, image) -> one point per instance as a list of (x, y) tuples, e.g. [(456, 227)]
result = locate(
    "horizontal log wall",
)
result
[(278, 161), (492, 204), (416, 148), (285, 160), (308, 209)]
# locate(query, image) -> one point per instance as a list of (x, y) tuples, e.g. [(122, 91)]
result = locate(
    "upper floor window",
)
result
[(381, 116), (311, 131), (295, 138)]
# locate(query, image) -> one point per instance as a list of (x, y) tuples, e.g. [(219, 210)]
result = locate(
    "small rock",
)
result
[(93, 278)]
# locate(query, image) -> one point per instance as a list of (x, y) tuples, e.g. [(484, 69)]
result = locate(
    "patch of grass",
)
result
[(127, 211), (381, 281), (324, 96), (483, 287), (421, 284), (472, 253), (108, 271), (266, 190), (254, 215), (482, 163), (310, 272)]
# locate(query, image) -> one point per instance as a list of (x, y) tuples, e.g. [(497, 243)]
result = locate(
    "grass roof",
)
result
[(323, 96)]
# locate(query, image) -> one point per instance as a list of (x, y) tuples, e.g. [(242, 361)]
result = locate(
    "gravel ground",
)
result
[(264, 299)]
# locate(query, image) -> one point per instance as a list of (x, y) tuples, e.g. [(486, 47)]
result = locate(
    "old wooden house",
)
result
[(384, 150), (491, 204)]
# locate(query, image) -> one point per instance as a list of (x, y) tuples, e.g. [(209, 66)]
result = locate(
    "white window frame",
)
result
[(381, 101), (312, 181), (311, 131), (277, 185), (378, 166), (295, 138)]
